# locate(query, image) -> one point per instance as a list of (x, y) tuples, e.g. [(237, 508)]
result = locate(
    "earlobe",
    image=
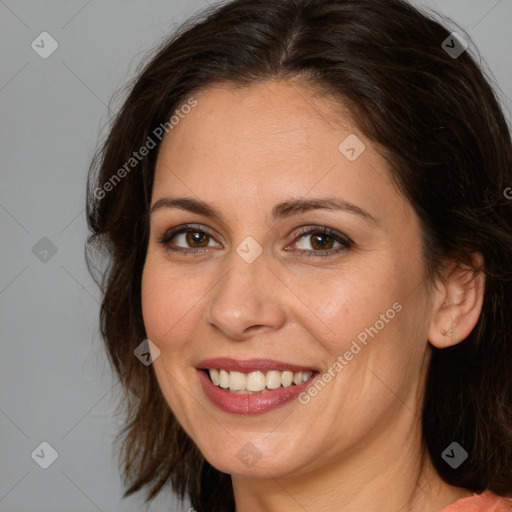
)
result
[(458, 304)]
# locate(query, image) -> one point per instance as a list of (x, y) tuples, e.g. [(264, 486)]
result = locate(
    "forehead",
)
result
[(264, 141)]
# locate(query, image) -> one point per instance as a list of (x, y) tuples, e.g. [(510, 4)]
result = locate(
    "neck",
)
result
[(384, 475)]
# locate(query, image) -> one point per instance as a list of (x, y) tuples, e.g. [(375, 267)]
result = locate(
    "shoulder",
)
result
[(485, 502)]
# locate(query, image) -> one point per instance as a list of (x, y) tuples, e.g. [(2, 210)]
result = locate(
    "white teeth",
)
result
[(223, 379), (214, 375), (257, 381), (237, 381), (287, 378), (273, 379)]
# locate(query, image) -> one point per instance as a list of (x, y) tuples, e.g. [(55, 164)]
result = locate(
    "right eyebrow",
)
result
[(188, 204)]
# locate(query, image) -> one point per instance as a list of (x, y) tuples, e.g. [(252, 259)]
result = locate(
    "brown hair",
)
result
[(449, 146)]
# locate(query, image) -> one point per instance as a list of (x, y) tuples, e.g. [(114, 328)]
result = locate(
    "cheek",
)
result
[(167, 301), (339, 305), (154, 302), (173, 301), (167, 309)]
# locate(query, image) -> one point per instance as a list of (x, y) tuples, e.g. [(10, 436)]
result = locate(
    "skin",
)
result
[(356, 445)]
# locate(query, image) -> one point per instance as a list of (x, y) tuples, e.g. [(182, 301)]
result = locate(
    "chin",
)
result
[(256, 458)]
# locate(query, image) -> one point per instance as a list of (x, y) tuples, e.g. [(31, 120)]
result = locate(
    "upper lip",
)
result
[(250, 365)]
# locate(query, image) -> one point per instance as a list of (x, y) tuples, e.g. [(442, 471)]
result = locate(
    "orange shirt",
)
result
[(485, 502)]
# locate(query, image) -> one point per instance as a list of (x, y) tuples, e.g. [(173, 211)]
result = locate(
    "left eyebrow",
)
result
[(281, 210), (298, 206)]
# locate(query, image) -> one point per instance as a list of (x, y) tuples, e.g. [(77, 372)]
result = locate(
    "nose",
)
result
[(247, 300)]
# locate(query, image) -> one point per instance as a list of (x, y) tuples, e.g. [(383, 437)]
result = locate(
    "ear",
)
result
[(457, 303)]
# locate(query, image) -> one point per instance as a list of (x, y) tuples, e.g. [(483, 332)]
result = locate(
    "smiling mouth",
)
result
[(256, 382)]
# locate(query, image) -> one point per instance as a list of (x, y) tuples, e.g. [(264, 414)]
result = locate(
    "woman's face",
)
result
[(261, 285)]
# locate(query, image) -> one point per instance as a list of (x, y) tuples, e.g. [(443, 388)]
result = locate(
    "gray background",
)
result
[(55, 382)]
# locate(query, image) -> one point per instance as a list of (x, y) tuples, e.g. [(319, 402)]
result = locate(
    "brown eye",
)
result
[(322, 241), (196, 237), (187, 238)]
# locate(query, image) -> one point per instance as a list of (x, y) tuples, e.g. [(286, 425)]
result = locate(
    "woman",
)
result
[(304, 208)]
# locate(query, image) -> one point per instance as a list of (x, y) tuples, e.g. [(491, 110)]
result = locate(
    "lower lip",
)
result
[(255, 403)]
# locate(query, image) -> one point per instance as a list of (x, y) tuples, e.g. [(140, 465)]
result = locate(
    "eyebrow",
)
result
[(280, 211)]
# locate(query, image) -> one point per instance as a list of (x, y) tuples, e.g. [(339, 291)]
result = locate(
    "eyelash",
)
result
[(345, 242)]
